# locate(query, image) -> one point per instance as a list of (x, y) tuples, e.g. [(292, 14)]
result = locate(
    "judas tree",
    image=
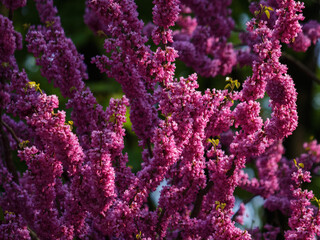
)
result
[(77, 183)]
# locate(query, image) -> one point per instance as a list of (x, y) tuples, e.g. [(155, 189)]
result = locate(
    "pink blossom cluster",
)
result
[(310, 34), (77, 183), (202, 40)]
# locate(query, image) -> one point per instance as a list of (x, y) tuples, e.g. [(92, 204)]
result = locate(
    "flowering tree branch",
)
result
[(78, 184)]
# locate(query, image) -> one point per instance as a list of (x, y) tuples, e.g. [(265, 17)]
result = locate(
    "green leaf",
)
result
[(237, 83), (223, 205), (269, 8), (256, 13), (267, 13), (23, 144)]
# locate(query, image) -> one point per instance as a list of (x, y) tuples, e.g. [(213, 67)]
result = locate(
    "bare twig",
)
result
[(7, 154), (197, 204), (11, 131), (33, 235), (301, 66), (149, 148)]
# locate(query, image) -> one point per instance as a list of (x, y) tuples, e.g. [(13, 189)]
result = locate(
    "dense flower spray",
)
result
[(78, 184)]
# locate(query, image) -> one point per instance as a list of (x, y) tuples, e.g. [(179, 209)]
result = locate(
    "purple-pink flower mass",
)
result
[(78, 184)]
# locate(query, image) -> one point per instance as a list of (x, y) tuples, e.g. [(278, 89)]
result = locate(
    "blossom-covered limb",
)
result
[(127, 61), (14, 227), (206, 48)]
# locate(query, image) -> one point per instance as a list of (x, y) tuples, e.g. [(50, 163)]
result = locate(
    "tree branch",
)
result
[(7, 154), (301, 66), (33, 235), (149, 148), (198, 203), (11, 132)]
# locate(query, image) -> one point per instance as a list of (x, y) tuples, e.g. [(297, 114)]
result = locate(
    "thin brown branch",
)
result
[(10, 11), (33, 235), (11, 132), (149, 148), (301, 66), (10, 14), (8, 161), (198, 203)]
